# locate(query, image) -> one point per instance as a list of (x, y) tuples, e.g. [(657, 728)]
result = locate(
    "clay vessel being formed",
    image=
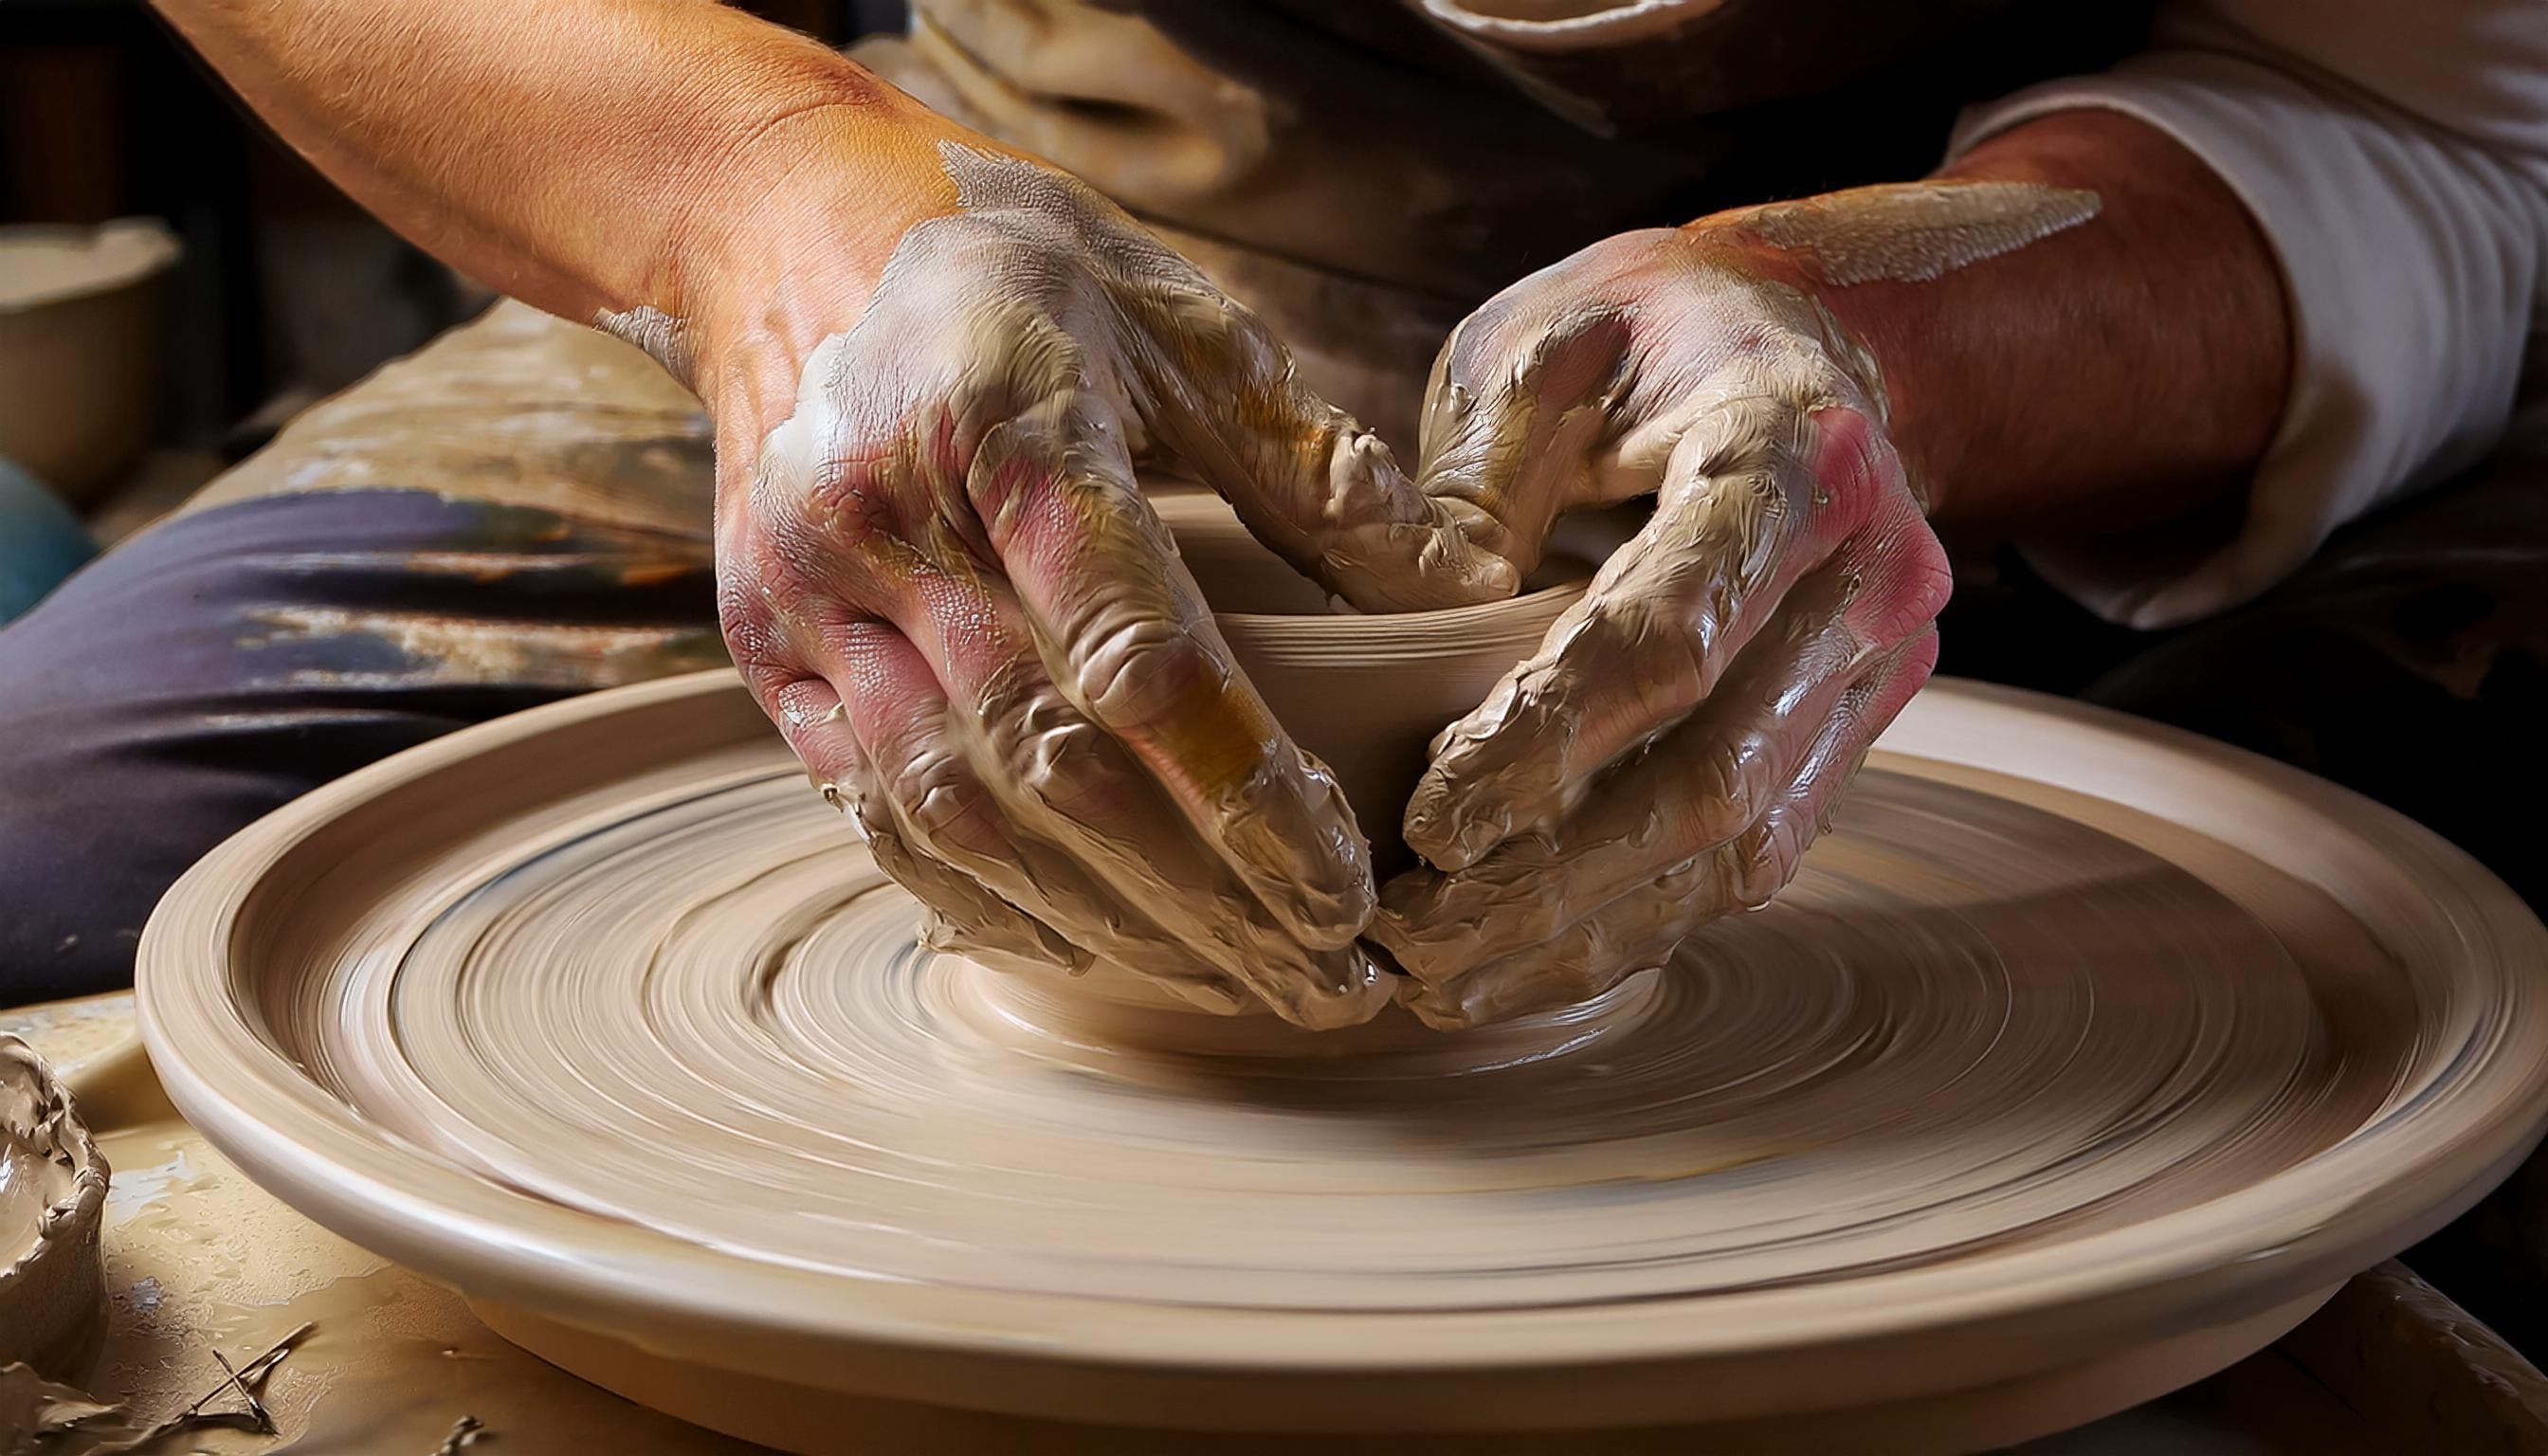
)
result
[(1364, 695)]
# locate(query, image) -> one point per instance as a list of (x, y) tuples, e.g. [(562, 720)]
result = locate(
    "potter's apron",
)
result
[(1362, 173)]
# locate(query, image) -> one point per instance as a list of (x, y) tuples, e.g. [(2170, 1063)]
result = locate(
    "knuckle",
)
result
[(1907, 581), (946, 807), (1718, 791), (1011, 702), (1932, 578), (753, 583), (1623, 255), (1063, 765), (846, 497), (1855, 467), (753, 640), (1140, 672), (1015, 475)]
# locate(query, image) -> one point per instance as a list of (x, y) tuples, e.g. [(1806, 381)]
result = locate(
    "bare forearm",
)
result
[(2117, 373), (581, 154)]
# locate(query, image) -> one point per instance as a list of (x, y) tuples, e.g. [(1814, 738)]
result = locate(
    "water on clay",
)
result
[(25, 1191), (31, 1177)]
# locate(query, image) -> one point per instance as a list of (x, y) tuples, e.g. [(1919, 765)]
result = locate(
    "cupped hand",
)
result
[(1683, 731), (939, 577)]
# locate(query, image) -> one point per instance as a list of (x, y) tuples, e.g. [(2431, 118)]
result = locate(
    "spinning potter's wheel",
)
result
[(2079, 1061)]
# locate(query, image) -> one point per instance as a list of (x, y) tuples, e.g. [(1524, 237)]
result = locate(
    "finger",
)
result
[(963, 917), (922, 788), (1466, 983), (1588, 958), (1640, 831), (1763, 858), (1223, 397), (1017, 753), (941, 589), (1751, 510), (1123, 630), (1701, 784), (1061, 779), (814, 720), (1518, 405)]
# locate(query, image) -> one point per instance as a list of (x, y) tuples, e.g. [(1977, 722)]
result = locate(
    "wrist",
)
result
[(2044, 363), (1802, 299), (782, 231), (1887, 269)]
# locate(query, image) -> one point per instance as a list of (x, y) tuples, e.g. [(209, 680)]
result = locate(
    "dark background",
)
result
[(287, 290)]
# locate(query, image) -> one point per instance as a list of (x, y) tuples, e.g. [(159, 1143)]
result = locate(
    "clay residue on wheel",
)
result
[(53, 1191)]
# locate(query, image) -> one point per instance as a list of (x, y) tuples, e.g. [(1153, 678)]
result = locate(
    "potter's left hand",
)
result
[(1683, 732)]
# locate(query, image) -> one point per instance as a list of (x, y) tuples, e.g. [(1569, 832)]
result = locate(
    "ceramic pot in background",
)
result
[(80, 347)]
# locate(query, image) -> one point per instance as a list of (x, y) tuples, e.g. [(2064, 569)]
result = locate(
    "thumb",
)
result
[(1226, 399), (1519, 402)]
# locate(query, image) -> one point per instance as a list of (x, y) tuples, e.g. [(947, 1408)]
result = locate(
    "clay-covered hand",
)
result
[(937, 576), (1683, 732)]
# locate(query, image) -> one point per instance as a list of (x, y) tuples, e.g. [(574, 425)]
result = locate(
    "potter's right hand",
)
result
[(1675, 743), (938, 579)]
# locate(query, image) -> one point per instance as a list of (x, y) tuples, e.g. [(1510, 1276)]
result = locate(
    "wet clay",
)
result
[(2074, 1037), (1914, 231), (1667, 754), (665, 338), (1365, 695), (1043, 730), (53, 1185), (201, 1261)]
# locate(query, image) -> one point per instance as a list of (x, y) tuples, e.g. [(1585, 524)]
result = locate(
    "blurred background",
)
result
[(174, 282)]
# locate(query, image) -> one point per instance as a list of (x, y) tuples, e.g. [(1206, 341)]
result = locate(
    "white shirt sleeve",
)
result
[(2394, 154)]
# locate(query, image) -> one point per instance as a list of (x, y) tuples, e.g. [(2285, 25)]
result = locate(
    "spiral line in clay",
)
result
[(1971, 1024), (2071, 1037)]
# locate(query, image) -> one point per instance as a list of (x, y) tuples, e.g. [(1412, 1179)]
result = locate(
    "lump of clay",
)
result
[(53, 1198)]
